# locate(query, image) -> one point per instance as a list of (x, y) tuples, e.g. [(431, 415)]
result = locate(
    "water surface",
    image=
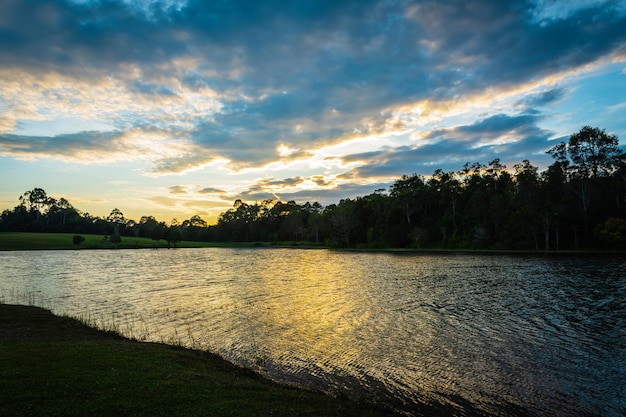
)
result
[(456, 334)]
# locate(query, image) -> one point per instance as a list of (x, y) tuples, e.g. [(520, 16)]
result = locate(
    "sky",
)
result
[(176, 108)]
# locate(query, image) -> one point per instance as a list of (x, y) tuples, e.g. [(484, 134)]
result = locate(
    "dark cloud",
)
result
[(64, 146), (375, 48), (286, 182), (211, 190), (450, 149), (284, 66), (148, 88), (178, 189), (497, 125), (544, 99), (322, 196), (333, 196)]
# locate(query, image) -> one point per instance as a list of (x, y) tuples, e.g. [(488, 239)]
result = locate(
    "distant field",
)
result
[(40, 241), (53, 241)]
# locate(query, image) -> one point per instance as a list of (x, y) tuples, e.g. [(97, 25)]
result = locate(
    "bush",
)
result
[(115, 239), (612, 233)]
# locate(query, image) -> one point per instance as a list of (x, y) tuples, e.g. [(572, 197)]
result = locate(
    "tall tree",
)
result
[(526, 203), (117, 220), (342, 220), (589, 154), (405, 192), (37, 200)]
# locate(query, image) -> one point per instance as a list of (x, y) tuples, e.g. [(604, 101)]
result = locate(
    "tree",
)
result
[(116, 218), (152, 228), (61, 210), (293, 225), (315, 219), (448, 188), (406, 192), (115, 239), (133, 227), (589, 154), (612, 233), (173, 235), (342, 220), (37, 200), (526, 203), (197, 221)]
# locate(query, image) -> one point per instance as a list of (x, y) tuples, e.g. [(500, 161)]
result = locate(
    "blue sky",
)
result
[(175, 108)]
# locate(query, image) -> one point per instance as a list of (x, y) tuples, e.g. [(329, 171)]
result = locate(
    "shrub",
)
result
[(77, 239)]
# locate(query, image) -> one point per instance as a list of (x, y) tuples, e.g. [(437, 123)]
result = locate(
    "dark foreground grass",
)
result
[(56, 366)]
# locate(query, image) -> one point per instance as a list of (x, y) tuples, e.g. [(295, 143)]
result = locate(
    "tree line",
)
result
[(578, 202)]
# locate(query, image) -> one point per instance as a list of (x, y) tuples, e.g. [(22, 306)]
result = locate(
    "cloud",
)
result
[(178, 189), (78, 147), (544, 98), (232, 81), (211, 190), (511, 138), (153, 89), (620, 107), (332, 192), (99, 98), (94, 147)]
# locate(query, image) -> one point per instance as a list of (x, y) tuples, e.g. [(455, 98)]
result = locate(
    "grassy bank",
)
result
[(56, 366), (40, 241), (62, 241)]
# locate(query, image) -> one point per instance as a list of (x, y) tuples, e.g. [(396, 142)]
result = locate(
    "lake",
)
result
[(452, 334)]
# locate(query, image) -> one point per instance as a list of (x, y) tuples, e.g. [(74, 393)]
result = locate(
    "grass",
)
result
[(57, 366), (61, 241), (36, 241)]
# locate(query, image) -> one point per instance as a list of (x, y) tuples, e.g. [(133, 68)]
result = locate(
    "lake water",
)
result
[(449, 334)]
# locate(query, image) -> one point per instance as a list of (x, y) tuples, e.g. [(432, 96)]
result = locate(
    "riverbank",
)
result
[(11, 241), (63, 241), (51, 365)]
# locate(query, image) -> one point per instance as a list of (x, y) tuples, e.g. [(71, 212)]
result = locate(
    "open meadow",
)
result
[(52, 241)]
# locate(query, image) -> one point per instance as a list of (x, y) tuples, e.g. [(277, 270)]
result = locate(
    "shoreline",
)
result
[(32, 241)]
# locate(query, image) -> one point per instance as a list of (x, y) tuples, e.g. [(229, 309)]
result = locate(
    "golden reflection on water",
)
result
[(330, 309), (312, 308)]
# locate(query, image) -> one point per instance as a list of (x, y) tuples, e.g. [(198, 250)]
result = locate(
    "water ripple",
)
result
[(454, 335)]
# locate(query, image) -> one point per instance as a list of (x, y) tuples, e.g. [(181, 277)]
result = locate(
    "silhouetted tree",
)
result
[(589, 154), (173, 235)]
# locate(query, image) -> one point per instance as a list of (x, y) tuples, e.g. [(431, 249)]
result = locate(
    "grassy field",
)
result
[(53, 241), (35, 241), (56, 366), (63, 241)]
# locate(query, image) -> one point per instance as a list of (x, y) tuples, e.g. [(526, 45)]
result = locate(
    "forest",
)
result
[(578, 202)]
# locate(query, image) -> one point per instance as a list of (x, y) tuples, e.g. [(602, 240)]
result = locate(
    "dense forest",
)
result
[(578, 202)]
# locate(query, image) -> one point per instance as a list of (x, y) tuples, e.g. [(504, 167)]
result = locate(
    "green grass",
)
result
[(53, 241), (57, 366), (36, 241)]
